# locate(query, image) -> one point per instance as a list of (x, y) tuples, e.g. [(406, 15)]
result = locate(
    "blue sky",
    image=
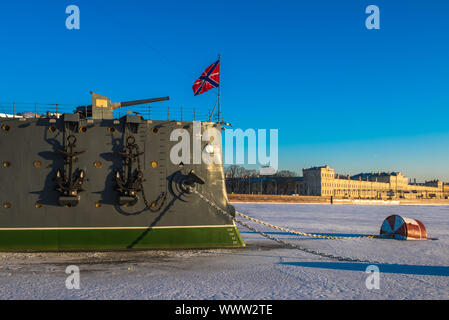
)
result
[(356, 99)]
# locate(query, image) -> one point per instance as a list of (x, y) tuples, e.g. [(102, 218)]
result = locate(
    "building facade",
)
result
[(446, 190), (323, 181)]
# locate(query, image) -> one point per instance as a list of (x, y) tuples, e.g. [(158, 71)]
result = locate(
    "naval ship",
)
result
[(92, 180)]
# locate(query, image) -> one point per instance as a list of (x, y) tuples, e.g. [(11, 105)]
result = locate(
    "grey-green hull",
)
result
[(32, 211), (119, 238)]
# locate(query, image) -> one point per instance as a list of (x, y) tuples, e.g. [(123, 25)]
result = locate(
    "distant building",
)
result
[(322, 181), (446, 190)]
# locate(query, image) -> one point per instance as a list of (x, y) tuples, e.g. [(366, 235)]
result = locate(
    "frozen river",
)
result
[(262, 270)]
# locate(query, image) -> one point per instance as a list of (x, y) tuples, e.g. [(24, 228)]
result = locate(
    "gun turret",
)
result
[(102, 107)]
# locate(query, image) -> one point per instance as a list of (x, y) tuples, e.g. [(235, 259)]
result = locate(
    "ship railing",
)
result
[(38, 110), (165, 113), (34, 110)]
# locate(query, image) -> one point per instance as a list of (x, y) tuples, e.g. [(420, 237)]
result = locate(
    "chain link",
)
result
[(153, 207), (280, 241), (157, 205), (302, 233)]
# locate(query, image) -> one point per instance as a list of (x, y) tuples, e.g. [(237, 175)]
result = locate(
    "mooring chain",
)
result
[(302, 233), (284, 243)]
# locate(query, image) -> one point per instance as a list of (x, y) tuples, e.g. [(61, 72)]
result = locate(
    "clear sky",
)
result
[(356, 99)]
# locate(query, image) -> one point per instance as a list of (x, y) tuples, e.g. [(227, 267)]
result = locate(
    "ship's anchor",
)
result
[(70, 185), (133, 184)]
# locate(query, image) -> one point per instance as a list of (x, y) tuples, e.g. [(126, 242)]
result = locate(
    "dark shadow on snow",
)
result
[(442, 271)]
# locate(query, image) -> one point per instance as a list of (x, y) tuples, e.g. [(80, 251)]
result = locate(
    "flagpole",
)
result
[(219, 89)]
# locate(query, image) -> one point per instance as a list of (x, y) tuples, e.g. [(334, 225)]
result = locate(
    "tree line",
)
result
[(235, 171)]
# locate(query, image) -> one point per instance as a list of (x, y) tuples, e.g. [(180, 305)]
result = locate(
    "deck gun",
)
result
[(102, 107)]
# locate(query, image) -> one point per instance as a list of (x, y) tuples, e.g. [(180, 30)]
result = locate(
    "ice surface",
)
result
[(262, 270)]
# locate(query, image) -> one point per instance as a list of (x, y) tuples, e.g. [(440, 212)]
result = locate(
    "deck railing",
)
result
[(37, 110)]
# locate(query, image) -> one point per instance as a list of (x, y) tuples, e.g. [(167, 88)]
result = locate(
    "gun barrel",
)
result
[(138, 102)]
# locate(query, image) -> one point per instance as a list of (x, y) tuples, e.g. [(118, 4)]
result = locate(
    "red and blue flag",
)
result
[(210, 79)]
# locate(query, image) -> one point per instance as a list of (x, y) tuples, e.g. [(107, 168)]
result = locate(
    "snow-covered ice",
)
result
[(262, 270)]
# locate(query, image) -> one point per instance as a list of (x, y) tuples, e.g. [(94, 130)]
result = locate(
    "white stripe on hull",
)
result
[(116, 228)]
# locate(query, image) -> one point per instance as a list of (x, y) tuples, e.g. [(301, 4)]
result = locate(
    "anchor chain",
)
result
[(311, 235), (156, 205), (280, 241)]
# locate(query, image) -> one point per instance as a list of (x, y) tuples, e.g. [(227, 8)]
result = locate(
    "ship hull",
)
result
[(96, 238), (35, 215)]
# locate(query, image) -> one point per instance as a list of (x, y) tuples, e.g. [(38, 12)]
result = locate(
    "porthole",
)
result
[(37, 164), (83, 129), (98, 164), (7, 205), (6, 164), (111, 129), (98, 205), (154, 164), (38, 205), (209, 149), (155, 130), (5, 128)]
